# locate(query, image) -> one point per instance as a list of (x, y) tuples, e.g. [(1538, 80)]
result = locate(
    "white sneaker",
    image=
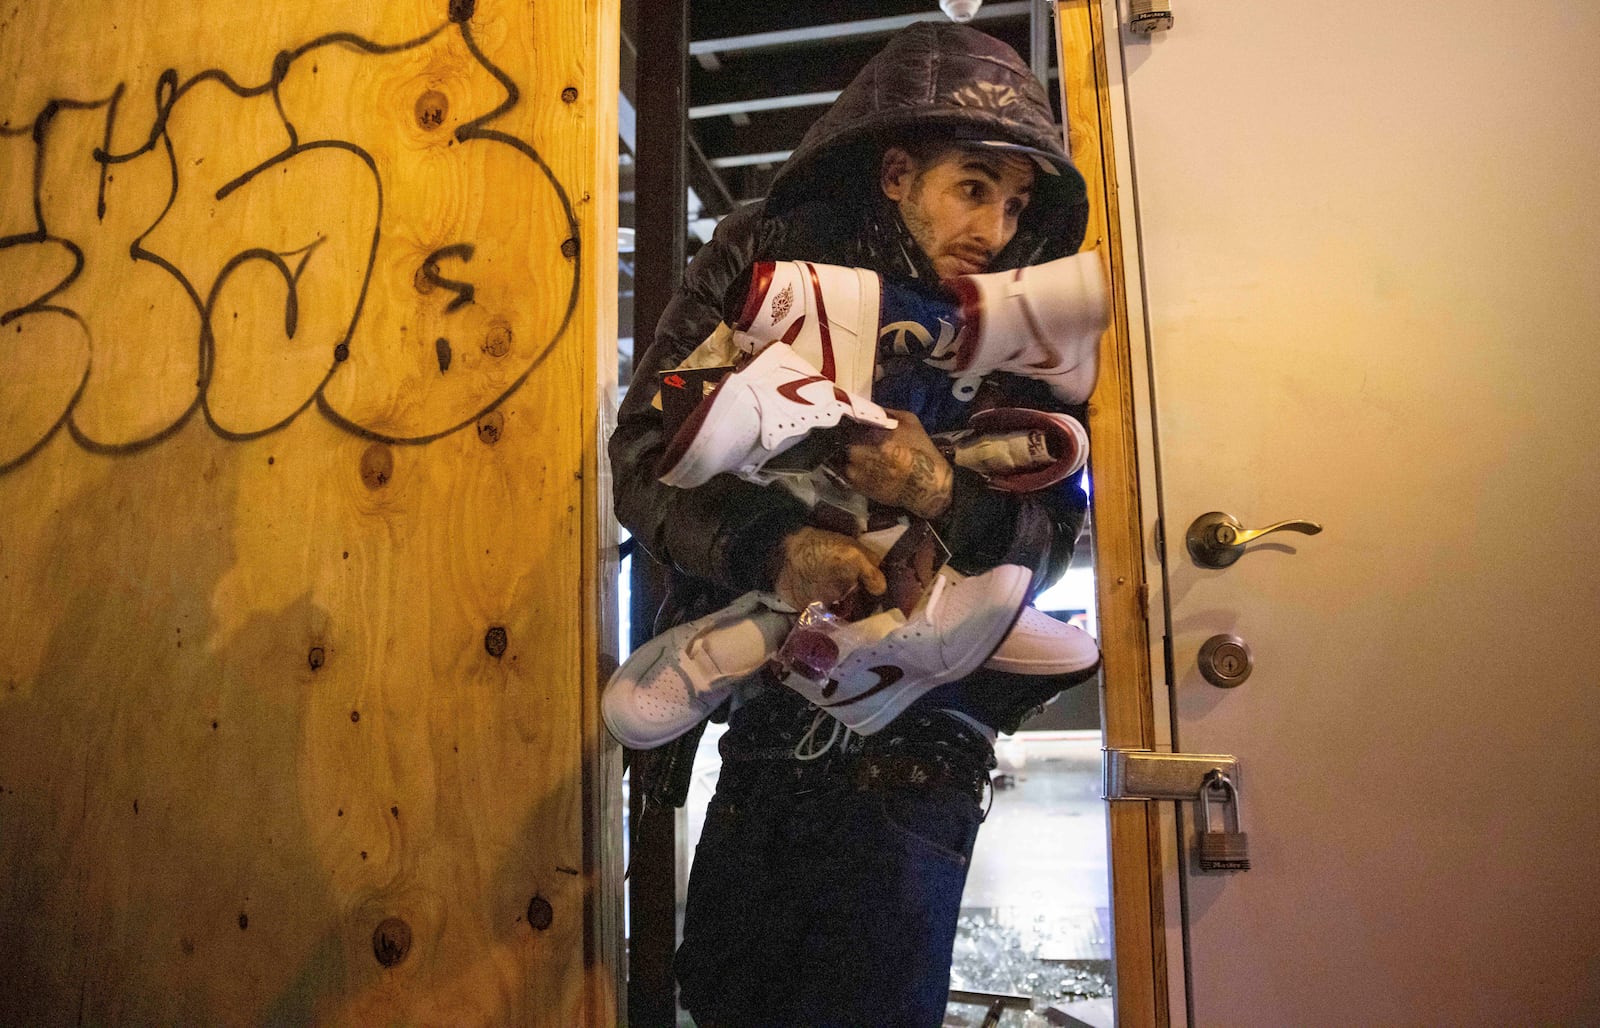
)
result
[(674, 681), (1018, 450), (957, 626), (828, 314), (1041, 322), (1038, 644), (756, 413)]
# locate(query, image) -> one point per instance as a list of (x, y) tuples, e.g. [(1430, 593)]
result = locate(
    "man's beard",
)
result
[(918, 226), (887, 246)]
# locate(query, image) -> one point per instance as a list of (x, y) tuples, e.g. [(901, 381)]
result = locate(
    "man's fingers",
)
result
[(825, 566), (872, 579)]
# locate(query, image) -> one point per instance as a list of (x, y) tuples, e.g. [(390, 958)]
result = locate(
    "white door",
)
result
[(1370, 243)]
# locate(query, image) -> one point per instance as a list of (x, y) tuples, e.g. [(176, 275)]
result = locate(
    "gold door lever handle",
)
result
[(1217, 539)]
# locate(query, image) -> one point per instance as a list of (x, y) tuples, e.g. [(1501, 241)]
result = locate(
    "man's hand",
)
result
[(818, 565), (900, 467)]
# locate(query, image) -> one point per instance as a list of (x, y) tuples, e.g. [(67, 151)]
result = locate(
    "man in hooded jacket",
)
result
[(826, 891)]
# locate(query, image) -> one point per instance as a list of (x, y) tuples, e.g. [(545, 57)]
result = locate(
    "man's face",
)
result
[(962, 207)]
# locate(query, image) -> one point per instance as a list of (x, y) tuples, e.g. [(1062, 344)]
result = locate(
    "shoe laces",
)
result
[(807, 749)]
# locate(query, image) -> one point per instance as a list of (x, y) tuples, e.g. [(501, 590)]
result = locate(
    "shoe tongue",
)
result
[(1001, 453)]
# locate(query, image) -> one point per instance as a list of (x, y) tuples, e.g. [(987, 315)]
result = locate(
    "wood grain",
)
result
[(298, 556)]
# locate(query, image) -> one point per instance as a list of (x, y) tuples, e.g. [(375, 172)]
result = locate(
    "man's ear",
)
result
[(895, 173)]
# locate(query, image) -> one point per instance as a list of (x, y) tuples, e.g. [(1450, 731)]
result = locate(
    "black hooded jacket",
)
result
[(932, 81)]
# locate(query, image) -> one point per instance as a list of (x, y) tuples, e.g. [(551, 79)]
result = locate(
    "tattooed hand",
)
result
[(821, 565), (899, 466)]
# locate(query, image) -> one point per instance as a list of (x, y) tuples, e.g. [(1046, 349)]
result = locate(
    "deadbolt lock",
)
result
[(1225, 661)]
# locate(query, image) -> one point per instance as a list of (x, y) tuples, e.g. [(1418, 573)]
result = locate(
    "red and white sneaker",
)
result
[(828, 314), (1018, 450), (1041, 322), (756, 413), (675, 681), (958, 625)]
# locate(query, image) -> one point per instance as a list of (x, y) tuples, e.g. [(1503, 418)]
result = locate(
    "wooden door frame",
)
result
[(604, 961), (1126, 569)]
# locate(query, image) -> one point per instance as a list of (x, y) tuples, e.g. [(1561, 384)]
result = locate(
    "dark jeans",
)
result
[(817, 902)]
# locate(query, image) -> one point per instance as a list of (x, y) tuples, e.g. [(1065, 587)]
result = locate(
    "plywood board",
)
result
[(298, 396)]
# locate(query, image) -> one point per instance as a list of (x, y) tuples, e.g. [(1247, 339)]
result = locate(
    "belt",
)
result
[(887, 771)]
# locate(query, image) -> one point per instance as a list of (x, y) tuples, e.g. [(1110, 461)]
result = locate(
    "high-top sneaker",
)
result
[(1018, 450), (674, 681), (1041, 322), (958, 625), (756, 413), (828, 314)]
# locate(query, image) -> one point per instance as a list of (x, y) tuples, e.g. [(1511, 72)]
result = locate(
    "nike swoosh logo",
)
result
[(887, 675), (791, 390)]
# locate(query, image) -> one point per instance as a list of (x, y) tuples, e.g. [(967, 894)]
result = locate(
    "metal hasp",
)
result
[(1216, 539), (1147, 775)]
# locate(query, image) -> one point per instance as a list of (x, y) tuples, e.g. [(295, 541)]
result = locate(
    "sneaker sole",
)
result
[(615, 695), (618, 696)]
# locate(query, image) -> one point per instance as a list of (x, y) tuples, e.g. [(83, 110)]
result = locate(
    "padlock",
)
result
[(1222, 848)]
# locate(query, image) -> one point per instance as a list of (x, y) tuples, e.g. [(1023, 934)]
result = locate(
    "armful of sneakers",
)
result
[(899, 467)]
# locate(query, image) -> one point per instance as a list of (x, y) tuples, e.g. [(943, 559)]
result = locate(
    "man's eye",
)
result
[(975, 189), (1015, 208)]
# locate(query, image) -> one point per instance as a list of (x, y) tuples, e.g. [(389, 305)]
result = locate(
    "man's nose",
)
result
[(988, 226)]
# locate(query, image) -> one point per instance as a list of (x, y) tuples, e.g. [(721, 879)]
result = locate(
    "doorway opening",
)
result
[(1035, 931)]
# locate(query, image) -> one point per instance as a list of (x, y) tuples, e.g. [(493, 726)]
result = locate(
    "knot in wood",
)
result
[(540, 913), (377, 466), (490, 426), (497, 342), (391, 941), (431, 109), (494, 641)]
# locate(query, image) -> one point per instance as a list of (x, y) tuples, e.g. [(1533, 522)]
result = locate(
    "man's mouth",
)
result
[(970, 263)]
